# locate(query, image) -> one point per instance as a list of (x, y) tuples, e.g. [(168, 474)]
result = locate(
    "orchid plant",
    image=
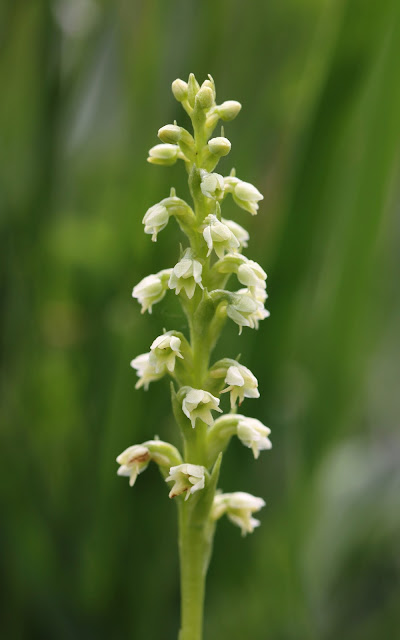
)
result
[(213, 254)]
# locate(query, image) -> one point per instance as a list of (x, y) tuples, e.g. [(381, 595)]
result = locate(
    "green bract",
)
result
[(211, 255)]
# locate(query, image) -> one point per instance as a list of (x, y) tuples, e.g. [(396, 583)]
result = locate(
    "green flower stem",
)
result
[(195, 532), (194, 551)]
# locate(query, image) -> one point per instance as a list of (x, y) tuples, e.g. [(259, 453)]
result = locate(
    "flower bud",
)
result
[(205, 97), (170, 133), (180, 89), (228, 110), (163, 154), (219, 146)]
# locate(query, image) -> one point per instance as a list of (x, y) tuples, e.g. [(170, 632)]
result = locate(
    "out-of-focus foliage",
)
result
[(85, 84)]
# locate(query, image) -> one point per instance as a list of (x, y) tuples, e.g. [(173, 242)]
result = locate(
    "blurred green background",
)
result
[(85, 85)]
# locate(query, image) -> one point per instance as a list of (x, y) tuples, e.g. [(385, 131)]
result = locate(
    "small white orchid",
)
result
[(248, 272), (145, 370), (245, 310), (244, 194), (239, 232), (253, 434), (155, 220), (188, 478), (199, 404), (247, 196), (239, 507), (152, 289), (252, 275), (212, 184), (164, 351), (219, 237), (186, 274), (133, 461), (241, 384)]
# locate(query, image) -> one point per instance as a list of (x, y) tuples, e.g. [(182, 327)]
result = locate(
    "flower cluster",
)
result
[(210, 260)]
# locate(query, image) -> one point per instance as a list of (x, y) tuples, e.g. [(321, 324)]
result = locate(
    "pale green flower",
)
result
[(212, 184), (155, 220), (239, 507), (241, 384), (188, 478), (164, 351), (186, 274), (253, 434), (219, 237), (133, 461), (152, 289), (146, 370), (199, 404), (244, 310)]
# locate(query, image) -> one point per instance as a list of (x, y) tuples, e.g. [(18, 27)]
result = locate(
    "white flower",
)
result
[(152, 289), (245, 310), (219, 237), (155, 220), (186, 274), (239, 507), (247, 196), (253, 434), (164, 154), (241, 383), (146, 370), (251, 274), (164, 350), (239, 232), (199, 404), (133, 461), (212, 184), (188, 478)]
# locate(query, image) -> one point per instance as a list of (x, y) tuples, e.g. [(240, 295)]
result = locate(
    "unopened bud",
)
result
[(205, 97), (229, 110), (164, 154), (170, 133), (219, 146), (180, 89)]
